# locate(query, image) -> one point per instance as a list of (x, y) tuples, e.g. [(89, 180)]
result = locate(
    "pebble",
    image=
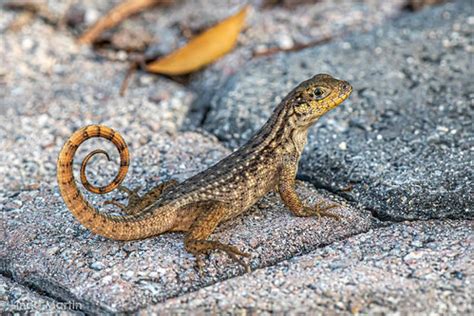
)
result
[(53, 250), (97, 266)]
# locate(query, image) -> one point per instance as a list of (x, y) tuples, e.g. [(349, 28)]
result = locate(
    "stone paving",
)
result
[(15, 297), (403, 140), (406, 268), (400, 148)]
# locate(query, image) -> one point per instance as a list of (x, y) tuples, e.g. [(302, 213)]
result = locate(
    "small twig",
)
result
[(130, 72), (415, 5), (117, 15), (35, 8), (295, 47), (23, 19)]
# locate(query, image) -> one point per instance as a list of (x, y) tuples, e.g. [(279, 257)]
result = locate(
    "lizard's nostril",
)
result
[(346, 87)]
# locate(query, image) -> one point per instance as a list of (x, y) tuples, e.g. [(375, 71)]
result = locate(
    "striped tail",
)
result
[(127, 227)]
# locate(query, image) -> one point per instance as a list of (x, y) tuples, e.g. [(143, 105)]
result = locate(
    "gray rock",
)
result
[(379, 272), (16, 299), (404, 138), (278, 27), (149, 271), (50, 87)]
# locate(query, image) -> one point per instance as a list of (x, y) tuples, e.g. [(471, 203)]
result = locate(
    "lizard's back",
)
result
[(235, 180)]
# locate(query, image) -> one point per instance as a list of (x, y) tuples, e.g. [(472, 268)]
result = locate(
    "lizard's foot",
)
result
[(198, 247), (136, 202), (321, 210), (200, 265), (133, 200), (161, 188)]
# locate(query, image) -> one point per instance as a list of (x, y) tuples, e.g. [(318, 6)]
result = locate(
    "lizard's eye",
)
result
[(318, 93)]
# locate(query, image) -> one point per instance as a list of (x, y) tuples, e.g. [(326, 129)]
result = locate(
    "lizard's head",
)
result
[(316, 96)]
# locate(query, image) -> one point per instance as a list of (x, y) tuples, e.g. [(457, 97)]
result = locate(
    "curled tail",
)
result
[(125, 227)]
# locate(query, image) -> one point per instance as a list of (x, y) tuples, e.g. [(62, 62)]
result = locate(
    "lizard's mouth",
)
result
[(339, 99), (346, 90)]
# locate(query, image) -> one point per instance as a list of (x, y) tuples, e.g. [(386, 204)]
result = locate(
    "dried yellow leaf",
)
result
[(203, 49)]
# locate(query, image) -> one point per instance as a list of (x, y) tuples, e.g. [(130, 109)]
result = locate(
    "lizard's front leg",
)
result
[(286, 188), (196, 241)]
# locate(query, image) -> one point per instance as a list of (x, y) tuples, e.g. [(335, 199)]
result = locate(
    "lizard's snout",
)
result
[(346, 87)]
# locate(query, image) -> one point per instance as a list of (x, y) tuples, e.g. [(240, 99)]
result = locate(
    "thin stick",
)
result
[(115, 16), (295, 47), (130, 72), (35, 8)]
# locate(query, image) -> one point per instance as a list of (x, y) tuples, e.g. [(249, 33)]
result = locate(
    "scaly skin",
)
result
[(227, 189)]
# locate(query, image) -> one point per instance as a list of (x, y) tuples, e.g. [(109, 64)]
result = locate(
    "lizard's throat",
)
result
[(298, 140)]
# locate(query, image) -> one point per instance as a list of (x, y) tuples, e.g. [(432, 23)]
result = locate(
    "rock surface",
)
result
[(49, 87), (17, 298), (62, 258), (421, 268), (403, 140)]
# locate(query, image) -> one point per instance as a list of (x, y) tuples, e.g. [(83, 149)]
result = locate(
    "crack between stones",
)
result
[(58, 293), (286, 258), (305, 251), (350, 199), (51, 290)]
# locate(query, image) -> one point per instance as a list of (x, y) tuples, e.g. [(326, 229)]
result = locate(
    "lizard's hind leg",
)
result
[(136, 203), (133, 200), (196, 241)]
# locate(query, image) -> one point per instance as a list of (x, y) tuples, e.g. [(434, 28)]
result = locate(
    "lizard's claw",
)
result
[(321, 211), (233, 252), (133, 199), (132, 193), (198, 247)]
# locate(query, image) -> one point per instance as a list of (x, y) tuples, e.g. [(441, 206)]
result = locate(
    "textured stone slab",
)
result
[(164, 28), (15, 298), (404, 138), (50, 87), (422, 268), (59, 256), (46, 247)]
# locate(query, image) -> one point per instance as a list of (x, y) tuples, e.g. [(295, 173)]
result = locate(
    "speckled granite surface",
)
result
[(403, 162)]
